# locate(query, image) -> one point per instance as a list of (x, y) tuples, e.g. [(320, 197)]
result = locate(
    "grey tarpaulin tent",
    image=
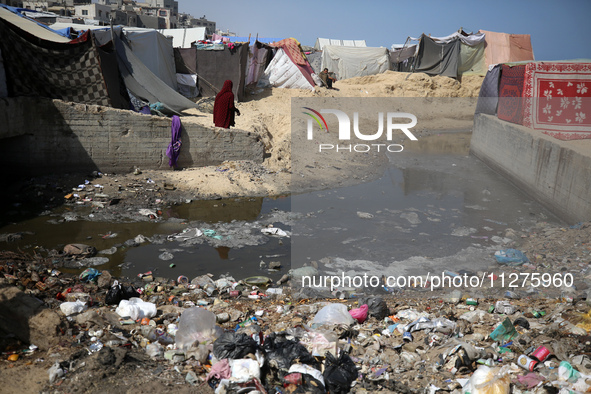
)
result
[(143, 84), (215, 66), (155, 51), (436, 58), (402, 58)]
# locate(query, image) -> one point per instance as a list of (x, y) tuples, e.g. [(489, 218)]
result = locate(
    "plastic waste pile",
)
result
[(457, 344), (255, 334)]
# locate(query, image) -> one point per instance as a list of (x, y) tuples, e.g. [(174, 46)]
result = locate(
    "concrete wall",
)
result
[(556, 173), (42, 136)]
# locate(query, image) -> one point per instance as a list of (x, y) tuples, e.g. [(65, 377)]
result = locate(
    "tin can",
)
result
[(526, 363), (541, 353), (234, 293), (471, 301), (407, 336)]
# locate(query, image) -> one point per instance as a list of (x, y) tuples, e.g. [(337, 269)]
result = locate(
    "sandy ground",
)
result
[(268, 114)]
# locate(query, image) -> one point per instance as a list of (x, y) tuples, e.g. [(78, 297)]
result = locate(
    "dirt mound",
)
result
[(267, 112), (398, 84)]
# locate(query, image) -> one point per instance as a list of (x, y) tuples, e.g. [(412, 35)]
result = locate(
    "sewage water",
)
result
[(434, 207)]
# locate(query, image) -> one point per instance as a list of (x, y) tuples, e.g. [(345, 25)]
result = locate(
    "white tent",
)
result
[(321, 42), (183, 38), (283, 73), (349, 62)]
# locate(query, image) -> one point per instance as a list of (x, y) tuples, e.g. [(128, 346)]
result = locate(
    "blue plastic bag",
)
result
[(89, 275), (511, 257)]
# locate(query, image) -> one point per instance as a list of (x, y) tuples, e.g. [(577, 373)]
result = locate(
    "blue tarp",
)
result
[(66, 32)]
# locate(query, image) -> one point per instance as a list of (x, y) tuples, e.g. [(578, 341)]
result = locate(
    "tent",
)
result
[(144, 84), (551, 97), (88, 69), (185, 37), (259, 57), (289, 68), (16, 18), (321, 42), (402, 57), (69, 71), (155, 51), (506, 48), (185, 60), (214, 66), (438, 57), (349, 62), (151, 47), (457, 54), (315, 60)]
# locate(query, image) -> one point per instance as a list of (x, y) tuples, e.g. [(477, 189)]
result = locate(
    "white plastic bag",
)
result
[(135, 308), (70, 308), (303, 368), (487, 380), (244, 370), (333, 314)]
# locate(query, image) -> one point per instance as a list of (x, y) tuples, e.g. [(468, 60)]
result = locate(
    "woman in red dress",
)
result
[(223, 107)]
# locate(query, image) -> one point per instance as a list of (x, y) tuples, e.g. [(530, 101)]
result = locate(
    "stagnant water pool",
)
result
[(433, 208)]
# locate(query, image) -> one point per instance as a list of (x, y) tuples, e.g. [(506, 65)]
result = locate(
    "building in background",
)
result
[(154, 14)]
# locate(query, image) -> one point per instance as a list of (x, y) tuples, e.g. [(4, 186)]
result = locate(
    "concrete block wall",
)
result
[(556, 173), (47, 136)]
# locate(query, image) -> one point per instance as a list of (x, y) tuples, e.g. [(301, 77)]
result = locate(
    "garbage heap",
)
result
[(229, 336), (276, 341)]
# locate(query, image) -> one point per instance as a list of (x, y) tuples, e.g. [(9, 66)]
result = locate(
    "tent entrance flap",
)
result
[(142, 83)]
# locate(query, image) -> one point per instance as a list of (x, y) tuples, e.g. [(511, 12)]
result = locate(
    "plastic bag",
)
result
[(155, 350), (89, 274), (332, 314), (234, 346), (282, 353), (308, 370), (339, 373), (135, 308), (504, 331), (487, 380), (243, 370), (129, 292), (359, 314), (305, 383), (512, 257), (567, 373), (55, 372), (70, 308), (377, 307), (117, 293), (114, 294), (196, 325)]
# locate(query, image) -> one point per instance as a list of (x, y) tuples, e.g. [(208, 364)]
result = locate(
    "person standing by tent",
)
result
[(223, 107), (327, 78)]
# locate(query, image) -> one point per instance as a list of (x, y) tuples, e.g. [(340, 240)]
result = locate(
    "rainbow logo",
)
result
[(316, 118)]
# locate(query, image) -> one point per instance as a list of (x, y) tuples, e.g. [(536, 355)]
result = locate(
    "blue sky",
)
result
[(559, 29)]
